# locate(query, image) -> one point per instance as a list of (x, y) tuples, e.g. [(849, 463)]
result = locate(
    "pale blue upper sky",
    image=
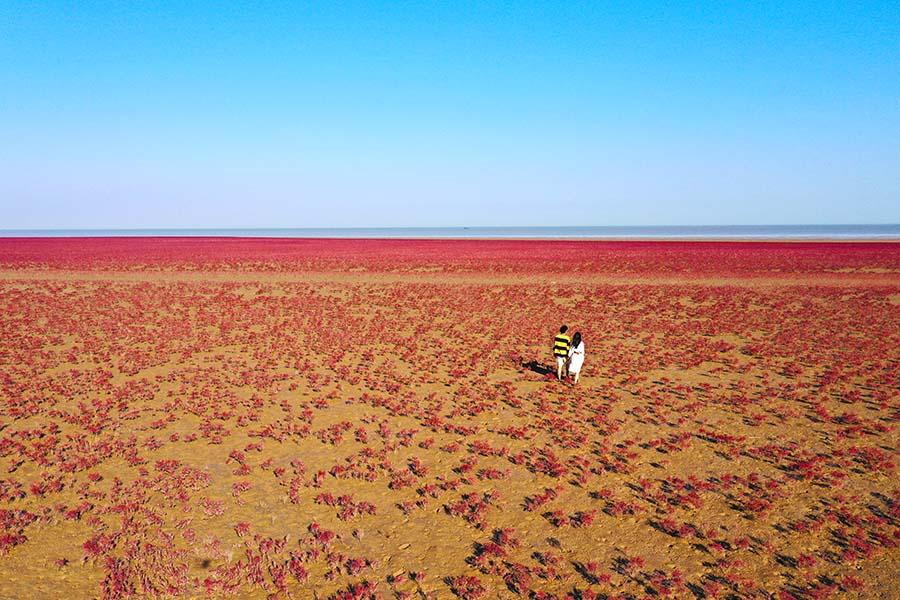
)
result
[(181, 114)]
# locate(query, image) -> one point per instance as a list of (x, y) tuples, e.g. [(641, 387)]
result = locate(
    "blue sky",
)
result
[(156, 114)]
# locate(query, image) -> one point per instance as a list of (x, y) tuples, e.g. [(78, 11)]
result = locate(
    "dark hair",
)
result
[(576, 339), (563, 329)]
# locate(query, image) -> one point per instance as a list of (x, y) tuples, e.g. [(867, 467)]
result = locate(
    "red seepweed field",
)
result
[(278, 418)]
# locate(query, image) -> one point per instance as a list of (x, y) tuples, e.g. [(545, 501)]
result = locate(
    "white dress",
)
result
[(576, 358)]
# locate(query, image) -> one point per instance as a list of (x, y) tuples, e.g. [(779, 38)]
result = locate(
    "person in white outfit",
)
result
[(576, 356)]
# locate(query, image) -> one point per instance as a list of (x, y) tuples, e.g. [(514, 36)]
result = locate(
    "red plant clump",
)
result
[(348, 507), (467, 587), (538, 500), (473, 507)]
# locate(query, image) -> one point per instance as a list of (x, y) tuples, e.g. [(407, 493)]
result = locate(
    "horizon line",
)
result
[(710, 233), (420, 227)]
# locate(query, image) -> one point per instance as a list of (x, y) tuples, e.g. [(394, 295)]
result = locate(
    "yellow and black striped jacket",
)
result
[(561, 345)]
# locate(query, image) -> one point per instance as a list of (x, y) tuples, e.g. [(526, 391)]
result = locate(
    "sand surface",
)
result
[(357, 419)]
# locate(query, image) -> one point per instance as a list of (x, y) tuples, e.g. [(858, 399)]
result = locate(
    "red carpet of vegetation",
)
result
[(373, 419), (445, 256)]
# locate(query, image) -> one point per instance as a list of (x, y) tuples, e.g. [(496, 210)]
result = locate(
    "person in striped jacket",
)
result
[(561, 345)]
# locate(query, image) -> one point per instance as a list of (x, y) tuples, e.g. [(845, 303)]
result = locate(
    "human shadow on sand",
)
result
[(537, 367)]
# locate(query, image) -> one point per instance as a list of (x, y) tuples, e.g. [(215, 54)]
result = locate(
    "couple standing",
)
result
[(569, 351)]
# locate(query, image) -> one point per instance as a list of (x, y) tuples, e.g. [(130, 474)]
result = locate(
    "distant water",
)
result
[(699, 232)]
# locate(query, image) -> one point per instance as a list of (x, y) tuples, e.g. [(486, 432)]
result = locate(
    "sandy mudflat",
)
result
[(311, 418)]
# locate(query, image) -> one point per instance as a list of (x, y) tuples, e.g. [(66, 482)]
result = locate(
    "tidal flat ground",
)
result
[(290, 418)]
